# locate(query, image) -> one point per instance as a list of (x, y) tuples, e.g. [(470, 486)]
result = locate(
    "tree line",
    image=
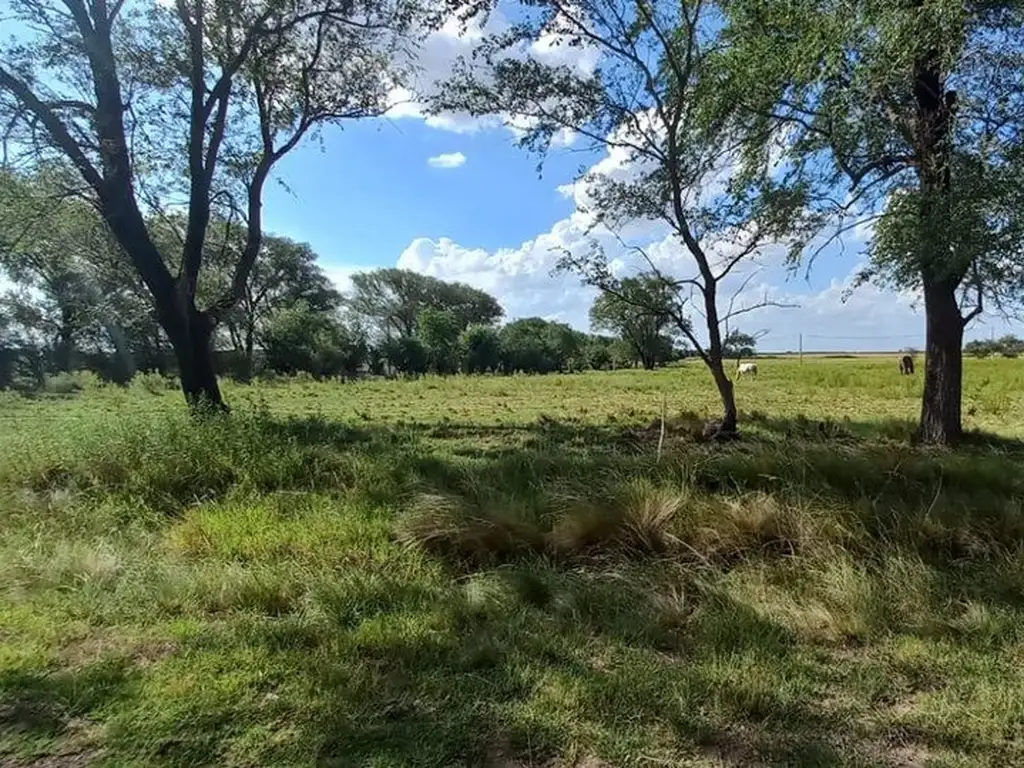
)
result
[(73, 304), (737, 126), (1004, 346)]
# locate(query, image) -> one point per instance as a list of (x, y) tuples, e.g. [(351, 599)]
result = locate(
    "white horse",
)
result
[(746, 369)]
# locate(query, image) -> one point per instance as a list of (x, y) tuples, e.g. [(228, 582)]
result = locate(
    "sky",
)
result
[(453, 197)]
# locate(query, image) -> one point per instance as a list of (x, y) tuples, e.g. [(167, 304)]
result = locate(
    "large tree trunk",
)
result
[(191, 335), (943, 376), (940, 274)]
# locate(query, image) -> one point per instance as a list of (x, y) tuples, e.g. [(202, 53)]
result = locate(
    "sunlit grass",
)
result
[(505, 572)]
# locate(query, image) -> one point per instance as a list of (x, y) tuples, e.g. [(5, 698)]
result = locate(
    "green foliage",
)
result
[(535, 345), (738, 344), (438, 331), (598, 352), (480, 346), (70, 289), (406, 354), (1007, 346), (845, 83), (393, 300), (301, 339), (639, 312)]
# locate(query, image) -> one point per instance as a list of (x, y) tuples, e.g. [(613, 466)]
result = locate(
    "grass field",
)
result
[(504, 572)]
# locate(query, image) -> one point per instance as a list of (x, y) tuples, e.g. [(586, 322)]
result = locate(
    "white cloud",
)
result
[(341, 275), (447, 160), (829, 317)]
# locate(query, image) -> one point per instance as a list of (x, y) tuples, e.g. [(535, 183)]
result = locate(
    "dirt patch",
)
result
[(79, 759), (99, 646)]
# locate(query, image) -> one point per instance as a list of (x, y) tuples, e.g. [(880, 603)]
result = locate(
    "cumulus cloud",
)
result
[(341, 274), (523, 278), (447, 160)]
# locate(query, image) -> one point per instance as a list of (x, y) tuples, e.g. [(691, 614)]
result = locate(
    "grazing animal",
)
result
[(906, 366), (746, 369)]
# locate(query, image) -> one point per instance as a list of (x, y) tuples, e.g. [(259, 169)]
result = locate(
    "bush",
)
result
[(69, 382), (153, 382)]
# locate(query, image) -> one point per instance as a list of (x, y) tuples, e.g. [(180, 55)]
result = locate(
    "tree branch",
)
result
[(58, 132)]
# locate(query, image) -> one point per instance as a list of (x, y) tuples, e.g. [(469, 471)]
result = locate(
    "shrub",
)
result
[(153, 382), (69, 382)]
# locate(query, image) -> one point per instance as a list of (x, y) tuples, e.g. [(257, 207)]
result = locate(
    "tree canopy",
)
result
[(640, 314), (393, 300), (907, 115), (655, 103), (119, 89)]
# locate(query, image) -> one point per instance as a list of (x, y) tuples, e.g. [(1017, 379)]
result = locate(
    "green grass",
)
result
[(503, 572)]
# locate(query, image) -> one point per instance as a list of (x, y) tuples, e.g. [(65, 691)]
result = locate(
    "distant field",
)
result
[(504, 571)]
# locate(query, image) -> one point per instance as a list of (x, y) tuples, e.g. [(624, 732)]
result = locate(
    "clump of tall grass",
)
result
[(70, 382), (153, 383), (634, 519), (468, 532), (171, 461)]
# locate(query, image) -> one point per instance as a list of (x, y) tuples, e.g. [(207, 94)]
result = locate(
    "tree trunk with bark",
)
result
[(940, 274), (715, 355), (943, 374), (191, 335), (726, 391)]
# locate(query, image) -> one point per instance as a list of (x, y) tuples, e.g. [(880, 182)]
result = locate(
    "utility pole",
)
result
[(801, 349)]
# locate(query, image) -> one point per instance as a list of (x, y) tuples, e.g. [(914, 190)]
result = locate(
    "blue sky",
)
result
[(362, 194), (369, 196)]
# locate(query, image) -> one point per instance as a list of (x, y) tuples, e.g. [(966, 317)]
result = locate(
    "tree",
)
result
[(439, 334), (284, 273), (535, 345), (622, 354), (907, 114), (71, 289), (394, 298), (633, 313), (599, 352), (1007, 346), (739, 345), (300, 338), (406, 354), (480, 346), (1011, 346), (118, 90), (653, 102), (980, 348)]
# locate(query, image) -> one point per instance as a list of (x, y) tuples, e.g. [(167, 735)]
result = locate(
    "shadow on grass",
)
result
[(517, 683), (536, 658), (41, 709)]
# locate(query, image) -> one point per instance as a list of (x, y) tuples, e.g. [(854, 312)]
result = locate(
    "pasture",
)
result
[(505, 571)]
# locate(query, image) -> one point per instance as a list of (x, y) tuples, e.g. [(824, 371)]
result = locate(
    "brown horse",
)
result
[(906, 366)]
